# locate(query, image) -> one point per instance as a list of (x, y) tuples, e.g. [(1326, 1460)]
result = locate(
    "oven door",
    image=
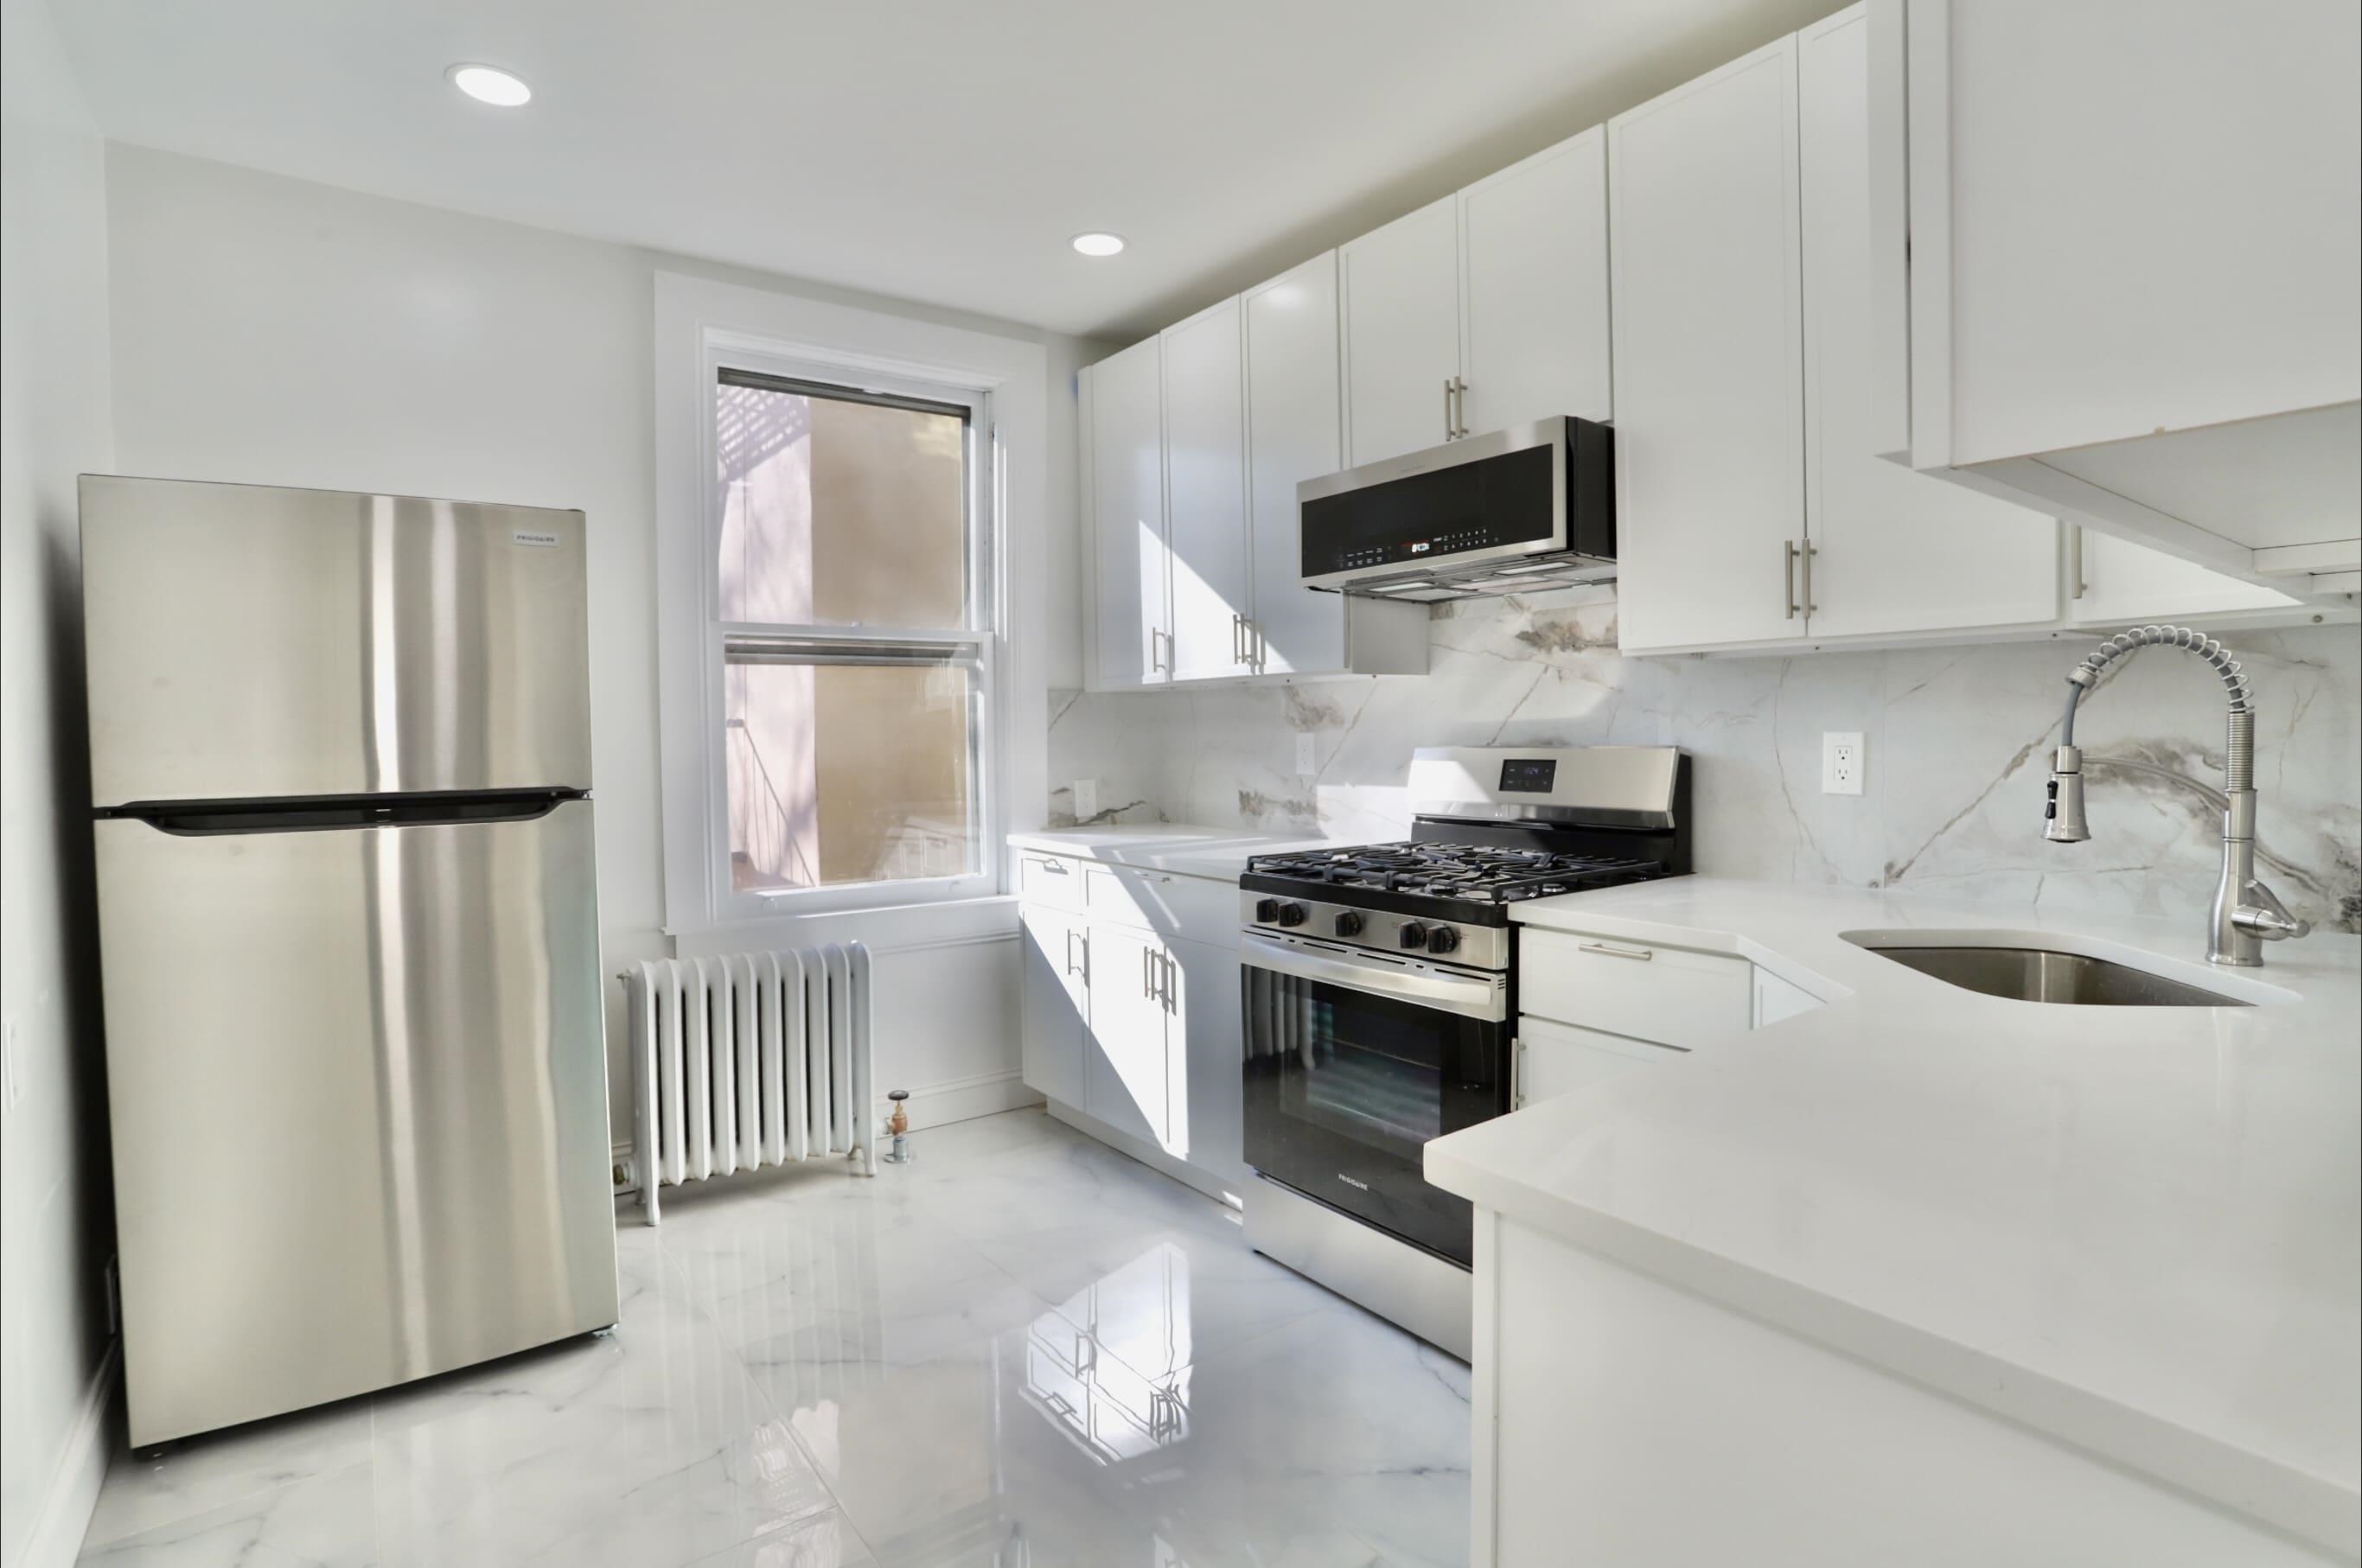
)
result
[(1353, 1061)]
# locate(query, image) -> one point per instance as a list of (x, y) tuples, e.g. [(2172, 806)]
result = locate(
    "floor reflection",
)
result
[(1024, 1352)]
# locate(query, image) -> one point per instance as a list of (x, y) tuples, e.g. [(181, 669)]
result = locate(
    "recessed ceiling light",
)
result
[(1099, 244), (489, 84)]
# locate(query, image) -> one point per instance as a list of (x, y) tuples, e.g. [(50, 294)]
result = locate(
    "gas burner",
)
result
[(1473, 872)]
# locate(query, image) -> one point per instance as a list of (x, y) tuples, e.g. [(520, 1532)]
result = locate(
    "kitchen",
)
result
[(1731, 425)]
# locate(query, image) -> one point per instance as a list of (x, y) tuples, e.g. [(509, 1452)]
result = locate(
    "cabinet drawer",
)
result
[(1556, 1058), (1051, 879), (1197, 907), (1670, 996)]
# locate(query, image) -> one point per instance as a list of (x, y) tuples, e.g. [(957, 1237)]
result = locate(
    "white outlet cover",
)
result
[(1842, 759), (1086, 799), (1307, 757)]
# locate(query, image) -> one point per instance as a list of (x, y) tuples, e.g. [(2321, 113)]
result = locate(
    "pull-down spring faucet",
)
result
[(2247, 914)]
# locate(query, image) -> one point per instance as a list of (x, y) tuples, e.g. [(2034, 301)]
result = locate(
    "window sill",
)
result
[(885, 929)]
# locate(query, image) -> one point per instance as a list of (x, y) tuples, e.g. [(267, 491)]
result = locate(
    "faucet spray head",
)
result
[(2063, 814)]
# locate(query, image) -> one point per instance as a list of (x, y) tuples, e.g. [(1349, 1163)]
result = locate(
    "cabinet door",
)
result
[(1533, 276), (1708, 373), (1205, 503), (1124, 1071), (1207, 1126), (2119, 583), (1893, 551), (1128, 515), (1402, 332), (1295, 432), (1776, 999), (1559, 1058), (1056, 1002)]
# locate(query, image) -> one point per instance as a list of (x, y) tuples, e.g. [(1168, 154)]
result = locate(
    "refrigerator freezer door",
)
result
[(252, 641), (359, 1104)]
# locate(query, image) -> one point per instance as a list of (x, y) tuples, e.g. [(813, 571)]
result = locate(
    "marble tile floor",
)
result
[(1023, 1351)]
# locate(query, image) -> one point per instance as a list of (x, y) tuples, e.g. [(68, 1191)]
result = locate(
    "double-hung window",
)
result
[(851, 639)]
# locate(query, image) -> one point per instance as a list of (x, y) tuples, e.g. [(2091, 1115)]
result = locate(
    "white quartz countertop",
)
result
[(1177, 847), (2136, 1229)]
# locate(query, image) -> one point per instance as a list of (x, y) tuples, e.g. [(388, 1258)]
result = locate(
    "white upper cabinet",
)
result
[(1127, 464), (1533, 284), (2134, 266), (1709, 375), (2119, 583), (1295, 432), (1206, 500), (1402, 334), (1892, 550)]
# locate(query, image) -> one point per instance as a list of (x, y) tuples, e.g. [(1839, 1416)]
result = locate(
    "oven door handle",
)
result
[(1466, 995)]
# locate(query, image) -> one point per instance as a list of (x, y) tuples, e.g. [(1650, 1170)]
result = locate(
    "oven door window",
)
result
[(1343, 1089)]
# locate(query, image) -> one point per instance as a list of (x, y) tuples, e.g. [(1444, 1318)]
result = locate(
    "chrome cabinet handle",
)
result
[(1147, 987), (1460, 408), (1609, 950), (1518, 1074), (1811, 549), (2077, 587), (1256, 647), (1156, 639), (1788, 593), (1447, 405)]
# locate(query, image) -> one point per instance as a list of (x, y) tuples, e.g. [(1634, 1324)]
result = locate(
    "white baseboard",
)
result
[(1214, 1187), (962, 1099), (932, 1105), (73, 1493)]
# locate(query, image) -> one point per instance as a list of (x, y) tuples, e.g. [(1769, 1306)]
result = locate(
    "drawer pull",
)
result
[(1055, 867), (1610, 950)]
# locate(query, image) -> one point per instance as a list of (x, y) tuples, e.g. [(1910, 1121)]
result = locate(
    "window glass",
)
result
[(839, 510), (846, 772)]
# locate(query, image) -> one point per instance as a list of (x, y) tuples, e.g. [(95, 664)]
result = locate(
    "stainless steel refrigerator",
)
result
[(340, 762)]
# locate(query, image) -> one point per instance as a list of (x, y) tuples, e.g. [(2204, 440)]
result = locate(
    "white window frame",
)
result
[(982, 634), (703, 327)]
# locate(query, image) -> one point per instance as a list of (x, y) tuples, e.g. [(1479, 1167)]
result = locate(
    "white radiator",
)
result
[(754, 1060)]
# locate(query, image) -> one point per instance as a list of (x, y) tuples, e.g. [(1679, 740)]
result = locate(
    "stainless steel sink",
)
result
[(2041, 974)]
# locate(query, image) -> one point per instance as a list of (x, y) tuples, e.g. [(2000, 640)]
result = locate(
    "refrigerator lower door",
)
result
[(358, 1081)]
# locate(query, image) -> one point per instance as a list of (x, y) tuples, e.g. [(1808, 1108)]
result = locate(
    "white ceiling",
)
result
[(937, 151)]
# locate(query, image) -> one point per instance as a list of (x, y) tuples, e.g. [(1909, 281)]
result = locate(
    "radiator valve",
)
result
[(898, 1124)]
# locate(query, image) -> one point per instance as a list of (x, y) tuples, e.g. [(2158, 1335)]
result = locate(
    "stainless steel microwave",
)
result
[(1522, 509)]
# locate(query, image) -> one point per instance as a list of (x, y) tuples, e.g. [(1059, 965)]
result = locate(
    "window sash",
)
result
[(973, 645)]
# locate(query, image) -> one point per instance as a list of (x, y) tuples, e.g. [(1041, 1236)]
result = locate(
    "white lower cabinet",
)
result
[(1558, 1058), (1056, 1001), (1126, 1075), (1203, 1027), (1132, 1013)]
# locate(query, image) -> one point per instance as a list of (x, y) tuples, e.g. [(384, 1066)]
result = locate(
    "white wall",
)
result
[(55, 1231), (272, 331)]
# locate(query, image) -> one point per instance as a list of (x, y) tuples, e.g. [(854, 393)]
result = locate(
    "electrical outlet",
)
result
[(1086, 799), (1842, 763), (1308, 756), (15, 1064)]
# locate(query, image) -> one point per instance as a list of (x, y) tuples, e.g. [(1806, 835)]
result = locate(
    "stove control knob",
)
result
[(1267, 910), (1349, 923), (1291, 914), (1442, 938), (1412, 935)]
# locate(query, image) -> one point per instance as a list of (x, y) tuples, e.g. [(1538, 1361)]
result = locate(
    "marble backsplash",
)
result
[(1956, 742)]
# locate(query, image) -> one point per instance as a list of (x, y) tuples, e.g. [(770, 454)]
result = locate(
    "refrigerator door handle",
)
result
[(327, 814)]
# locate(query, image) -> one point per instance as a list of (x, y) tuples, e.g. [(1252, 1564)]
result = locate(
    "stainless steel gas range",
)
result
[(1380, 995)]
